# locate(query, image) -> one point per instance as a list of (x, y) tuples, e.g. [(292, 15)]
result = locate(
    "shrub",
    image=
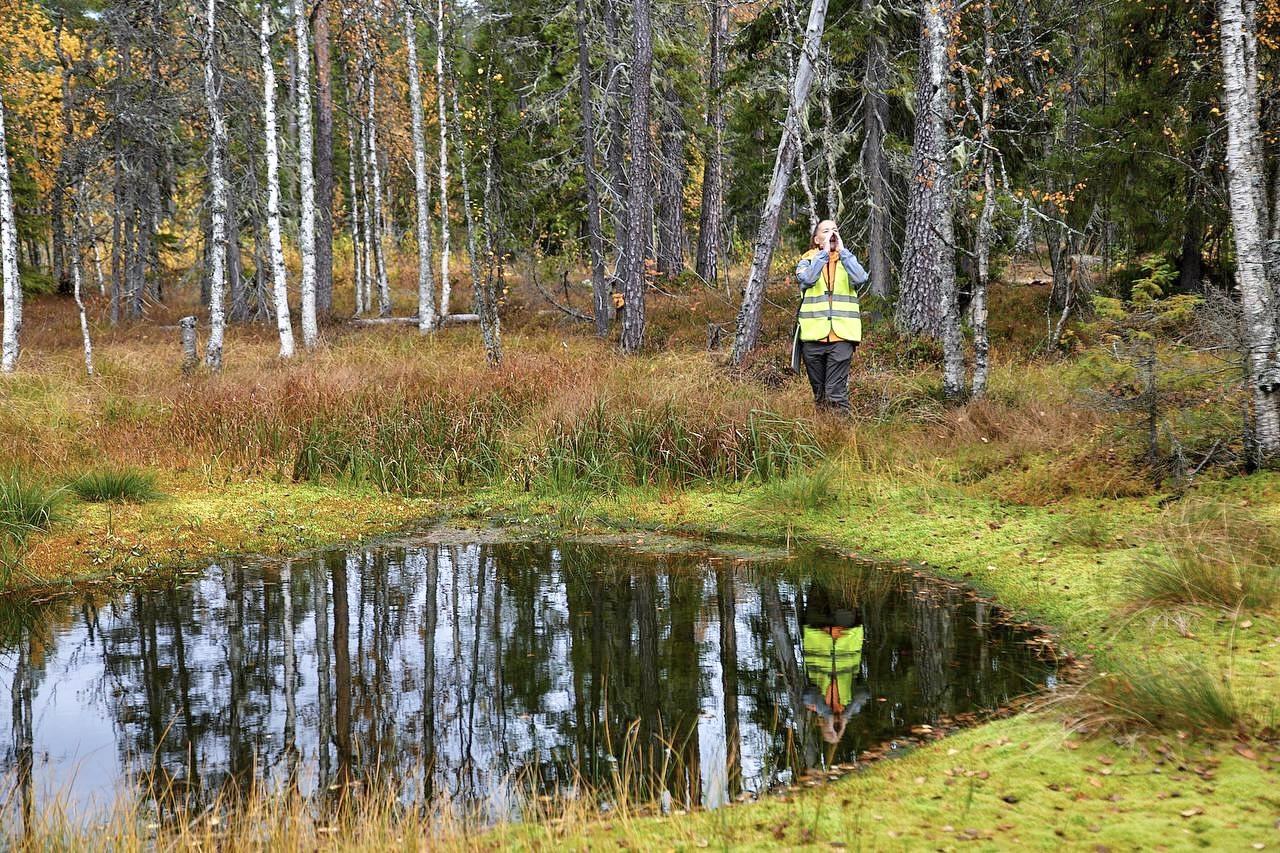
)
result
[(1211, 554), (27, 507), (116, 484)]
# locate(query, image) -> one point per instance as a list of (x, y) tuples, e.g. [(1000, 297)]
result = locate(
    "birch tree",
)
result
[(279, 288), (441, 85), (595, 237), (982, 240), (8, 258), (77, 281), (426, 288), (306, 173), (323, 159), (373, 201), (1246, 173), (218, 193), (928, 257), (748, 328), (639, 211)]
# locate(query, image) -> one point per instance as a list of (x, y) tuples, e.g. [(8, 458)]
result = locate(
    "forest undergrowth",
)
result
[(1158, 577)]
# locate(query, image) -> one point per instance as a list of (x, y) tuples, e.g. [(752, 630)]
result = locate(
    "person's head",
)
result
[(823, 233)]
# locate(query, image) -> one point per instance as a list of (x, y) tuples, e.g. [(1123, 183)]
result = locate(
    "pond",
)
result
[(489, 672)]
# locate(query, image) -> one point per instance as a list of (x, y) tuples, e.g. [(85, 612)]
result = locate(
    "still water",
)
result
[(486, 673)]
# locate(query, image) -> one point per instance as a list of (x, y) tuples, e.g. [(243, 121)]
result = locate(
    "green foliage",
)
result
[(1211, 554), (116, 484), (27, 508)]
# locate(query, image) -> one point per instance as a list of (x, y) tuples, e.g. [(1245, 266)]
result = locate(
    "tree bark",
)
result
[(375, 191), (323, 161), (279, 284), (65, 174), (928, 258), (711, 216), (595, 237), (307, 182), (441, 85), (672, 170), (615, 149), (77, 283), (639, 225), (218, 181), (1248, 203), (875, 165), (829, 154), (8, 258), (354, 207), (426, 287), (748, 330), (982, 249), (487, 301)]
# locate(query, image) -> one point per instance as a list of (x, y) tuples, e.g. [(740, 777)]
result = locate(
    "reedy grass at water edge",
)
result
[(130, 485), (27, 507)]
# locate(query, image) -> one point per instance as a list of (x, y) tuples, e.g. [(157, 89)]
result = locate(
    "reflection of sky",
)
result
[(106, 683)]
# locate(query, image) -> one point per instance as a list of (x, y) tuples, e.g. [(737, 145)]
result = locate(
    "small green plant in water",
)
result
[(129, 485)]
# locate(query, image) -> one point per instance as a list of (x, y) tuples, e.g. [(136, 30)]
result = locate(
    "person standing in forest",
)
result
[(828, 324)]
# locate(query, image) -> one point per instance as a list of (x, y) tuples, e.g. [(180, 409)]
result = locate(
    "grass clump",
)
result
[(130, 485), (803, 491), (27, 507), (1085, 530), (1175, 694), (1211, 554)]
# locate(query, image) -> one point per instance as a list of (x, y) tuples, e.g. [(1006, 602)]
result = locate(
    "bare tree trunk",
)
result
[(307, 182), (97, 267), (711, 217), (367, 223), (928, 267), (235, 280), (441, 85), (1248, 202), (615, 149), (827, 81), (875, 165), (323, 161), (77, 283), (8, 258), (358, 247), (218, 180), (486, 297), (595, 237), (744, 339), (978, 306), (375, 191), (67, 168), (426, 287), (672, 171), (279, 284), (635, 279)]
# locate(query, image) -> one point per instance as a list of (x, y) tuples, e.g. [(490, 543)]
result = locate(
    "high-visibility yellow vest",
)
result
[(830, 306), (833, 663)]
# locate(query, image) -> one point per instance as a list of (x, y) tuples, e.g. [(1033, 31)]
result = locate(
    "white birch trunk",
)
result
[(353, 215), (748, 329), (306, 175), (426, 287), (441, 85), (8, 260), (366, 210), (1248, 202), (77, 282), (371, 140), (218, 181), (981, 338), (279, 285)]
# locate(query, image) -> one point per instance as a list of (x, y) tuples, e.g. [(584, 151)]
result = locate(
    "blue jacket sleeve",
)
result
[(809, 270), (856, 273)]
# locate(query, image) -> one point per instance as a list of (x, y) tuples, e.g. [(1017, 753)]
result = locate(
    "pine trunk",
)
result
[(426, 287), (307, 181), (595, 237), (441, 85), (218, 205), (1248, 203), (748, 328), (928, 268), (711, 216), (875, 165), (8, 258), (639, 224), (279, 284), (672, 171)]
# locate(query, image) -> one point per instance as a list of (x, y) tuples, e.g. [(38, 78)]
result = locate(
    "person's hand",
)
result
[(837, 243)]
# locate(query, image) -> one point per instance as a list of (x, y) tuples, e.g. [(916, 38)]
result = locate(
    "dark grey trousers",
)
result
[(828, 367)]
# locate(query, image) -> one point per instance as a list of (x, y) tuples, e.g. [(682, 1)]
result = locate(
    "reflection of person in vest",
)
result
[(832, 661), (829, 324)]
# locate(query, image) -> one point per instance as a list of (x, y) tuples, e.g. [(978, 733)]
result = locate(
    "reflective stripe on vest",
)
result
[(822, 313)]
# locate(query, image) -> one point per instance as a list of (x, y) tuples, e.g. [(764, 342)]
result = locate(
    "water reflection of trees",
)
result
[(479, 672)]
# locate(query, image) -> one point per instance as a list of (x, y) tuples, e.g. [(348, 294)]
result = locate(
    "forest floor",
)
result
[(1036, 496)]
